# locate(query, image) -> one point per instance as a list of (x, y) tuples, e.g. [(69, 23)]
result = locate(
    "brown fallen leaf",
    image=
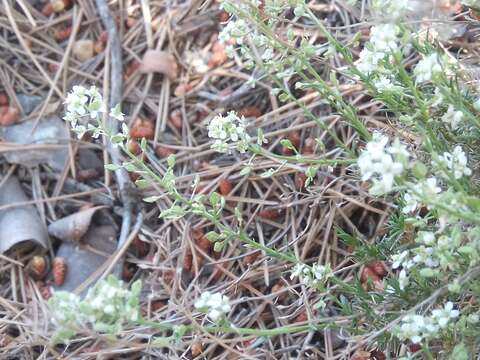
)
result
[(20, 225), (72, 227), (51, 131), (158, 61), (85, 257)]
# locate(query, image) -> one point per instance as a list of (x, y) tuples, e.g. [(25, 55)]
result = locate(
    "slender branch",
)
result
[(121, 174)]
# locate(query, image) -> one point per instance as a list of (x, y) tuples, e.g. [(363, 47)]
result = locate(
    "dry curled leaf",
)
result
[(85, 257), (50, 131), (158, 61), (19, 225), (72, 227)]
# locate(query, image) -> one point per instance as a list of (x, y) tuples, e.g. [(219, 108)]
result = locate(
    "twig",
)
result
[(121, 175)]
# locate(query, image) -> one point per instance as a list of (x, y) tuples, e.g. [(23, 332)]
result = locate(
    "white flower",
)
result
[(437, 98), (311, 276), (384, 37), (368, 60), (403, 279), (382, 164), (215, 305), (229, 130), (426, 237), (398, 259), (427, 67), (456, 162), (384, 84), (443, 316), (453, 117), (411, 203), (116, 113)]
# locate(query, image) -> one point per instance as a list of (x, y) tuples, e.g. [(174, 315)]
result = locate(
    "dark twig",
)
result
[(121, 175)]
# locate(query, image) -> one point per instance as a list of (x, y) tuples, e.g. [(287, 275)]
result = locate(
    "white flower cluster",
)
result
[(229, 131), (453, 117), (385, 84), (106, 307), (430, 256), (427, 68), (381, 163), (417, 327), (383, 40), (456, 162), (215, 305), (422, 191), (88, 103), (313, 276)]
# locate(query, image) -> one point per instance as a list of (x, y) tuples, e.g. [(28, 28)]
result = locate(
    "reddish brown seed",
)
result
[(361, 355), (59, 269), (176, 119), (47, 10), (196, 348), (38, 267), (10, 117), (53, 68), (182, 89), (225, 186), (143, 128), (368, 274), (300, 179), (269, 214), (302, 317), (377, 355), (219, 56), (134, 176), (61, 35), (3, 110), (414, 348), (164, 152), (250, 258), (309, 146), (223, 16), (3, 99), (295, 137), (250, 111), (157, 305), (379, 268), (134, 147)]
